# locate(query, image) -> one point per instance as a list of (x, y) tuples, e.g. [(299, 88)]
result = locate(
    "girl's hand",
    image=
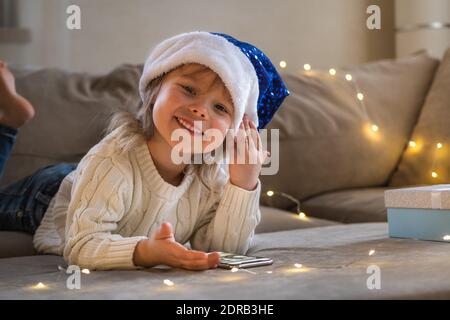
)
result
[(162, 248), (245, 175)]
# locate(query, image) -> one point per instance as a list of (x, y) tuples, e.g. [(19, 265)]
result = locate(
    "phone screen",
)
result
[(229, 260), (234, 258)]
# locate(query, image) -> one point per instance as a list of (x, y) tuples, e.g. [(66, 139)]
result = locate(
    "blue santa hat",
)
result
[(253, 82)]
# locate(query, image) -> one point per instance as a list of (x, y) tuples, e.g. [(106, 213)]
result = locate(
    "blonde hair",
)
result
[(135, 127)]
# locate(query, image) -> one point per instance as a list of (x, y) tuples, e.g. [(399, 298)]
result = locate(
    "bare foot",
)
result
[(15, 110)]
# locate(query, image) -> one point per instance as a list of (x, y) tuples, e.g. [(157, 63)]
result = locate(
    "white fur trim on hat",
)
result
[(215, 52)]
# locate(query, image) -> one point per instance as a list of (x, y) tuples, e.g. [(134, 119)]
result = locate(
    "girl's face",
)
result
[(191, 93)]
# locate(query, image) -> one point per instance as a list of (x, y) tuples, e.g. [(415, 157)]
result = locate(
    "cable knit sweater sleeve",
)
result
[(229, 225), (99, 199)]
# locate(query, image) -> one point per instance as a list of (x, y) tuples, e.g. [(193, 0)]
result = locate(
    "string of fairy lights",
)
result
[(414, 146), (373, 128), (307, 69)]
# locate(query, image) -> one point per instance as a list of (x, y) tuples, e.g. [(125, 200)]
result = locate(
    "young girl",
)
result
[(128, 204)]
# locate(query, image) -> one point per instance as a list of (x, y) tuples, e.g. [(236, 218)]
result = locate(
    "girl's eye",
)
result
[(221, 108), (189, 89)]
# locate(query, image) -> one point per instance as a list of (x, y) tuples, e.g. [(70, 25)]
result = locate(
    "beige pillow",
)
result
[(433, 127), (325, 144), (72, 110)]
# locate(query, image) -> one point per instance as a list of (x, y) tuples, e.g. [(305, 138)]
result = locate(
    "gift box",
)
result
[(419, 212)]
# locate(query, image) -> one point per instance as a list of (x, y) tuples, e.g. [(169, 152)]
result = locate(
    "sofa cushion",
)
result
[(16, 244), (335, 266), (279, 220), (324, 142), (418, 163), (72, 109), (348, 206)]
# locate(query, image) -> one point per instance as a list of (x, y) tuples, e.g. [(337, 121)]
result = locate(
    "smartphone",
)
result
[(231, 260)]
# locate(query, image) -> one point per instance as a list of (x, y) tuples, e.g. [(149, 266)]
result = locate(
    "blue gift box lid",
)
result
[(425, 197)]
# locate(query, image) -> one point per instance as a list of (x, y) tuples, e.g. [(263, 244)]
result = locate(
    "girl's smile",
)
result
[(191, 126)]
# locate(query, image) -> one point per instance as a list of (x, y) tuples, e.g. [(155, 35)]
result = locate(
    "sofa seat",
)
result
[(348, 206), (335, 263)]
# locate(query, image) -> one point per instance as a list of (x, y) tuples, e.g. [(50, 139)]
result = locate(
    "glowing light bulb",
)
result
[(270, 193), (332, 71), (434, 174), (439, 145), (371, 252), (283, 64), (302, 215), (86, 271), (307, 66), (412, 144), (40, 285), (446, 237), (234, 269), (168, 283), (374, 128), (298, 265), (360, 96), (269, 272), (348, 77)]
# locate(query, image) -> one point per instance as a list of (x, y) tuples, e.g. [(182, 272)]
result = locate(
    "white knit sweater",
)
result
[(113, 200)]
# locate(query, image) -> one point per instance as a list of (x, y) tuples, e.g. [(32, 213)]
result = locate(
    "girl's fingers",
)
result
[(179, 251), (197, 265), (197, 255), (243, 138), (192, 255), (255, 135), (213, 258), (252, 154), (239, 142), (181, 257), (245, 118), (262, 153), (241, 126), (249, 136), (257, 143), (240, 133), (252, 145), (210, 260), (247, 127)]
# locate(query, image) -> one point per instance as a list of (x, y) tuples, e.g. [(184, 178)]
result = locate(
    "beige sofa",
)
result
[(336, 166)]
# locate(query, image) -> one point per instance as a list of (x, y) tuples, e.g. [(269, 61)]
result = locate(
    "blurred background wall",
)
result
[(422, 24), (323, 33)]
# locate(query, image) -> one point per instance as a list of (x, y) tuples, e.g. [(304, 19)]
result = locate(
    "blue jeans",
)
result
[(7, 138), (23, 203)]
